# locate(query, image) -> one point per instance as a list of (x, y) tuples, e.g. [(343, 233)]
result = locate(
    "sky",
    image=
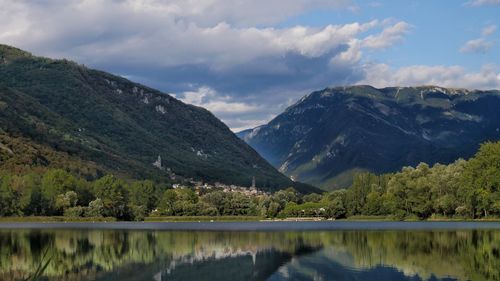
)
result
[(247, 60)]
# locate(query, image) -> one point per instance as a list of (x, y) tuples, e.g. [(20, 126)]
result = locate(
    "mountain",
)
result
[(56, 113), (329, 135)]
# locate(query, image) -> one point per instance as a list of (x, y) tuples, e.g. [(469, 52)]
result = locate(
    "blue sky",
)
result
[(247, 60), (439, 28)]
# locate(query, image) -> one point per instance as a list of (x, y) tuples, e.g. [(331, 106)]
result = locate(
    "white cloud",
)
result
[(236, 114), (351, 56), (382, 75), (237, 12), (211, 100), (170, 33), (480, 46), (476, 3), (239, 124), (489, 30), (202, 12), (388, 37), (225, 56)]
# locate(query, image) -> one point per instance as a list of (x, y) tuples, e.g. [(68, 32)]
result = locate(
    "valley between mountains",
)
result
[(56, 113), (87, 144)]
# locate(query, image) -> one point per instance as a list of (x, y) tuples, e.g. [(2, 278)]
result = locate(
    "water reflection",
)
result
[(170, 255)]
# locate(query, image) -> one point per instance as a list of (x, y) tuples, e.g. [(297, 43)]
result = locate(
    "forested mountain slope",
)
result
[(329, 135), (65, 114)]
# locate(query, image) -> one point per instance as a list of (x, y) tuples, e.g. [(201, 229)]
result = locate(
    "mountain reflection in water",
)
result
[(197, 255)]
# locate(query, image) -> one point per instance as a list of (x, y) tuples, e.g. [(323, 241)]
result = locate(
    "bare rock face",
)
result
[(331, 134)]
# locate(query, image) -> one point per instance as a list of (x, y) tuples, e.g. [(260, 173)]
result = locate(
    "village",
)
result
[(202, 188)]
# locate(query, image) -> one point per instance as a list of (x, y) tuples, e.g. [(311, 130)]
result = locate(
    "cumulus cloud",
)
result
[(204, 13), (479, 45), (237, 12), (236, 114), (208, 98), (387, 37), (226, 56), (171, 33), (211, 53), (382, 75)]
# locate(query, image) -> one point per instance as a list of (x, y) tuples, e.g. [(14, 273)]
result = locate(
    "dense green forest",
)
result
[(463, 189), (59, 114)]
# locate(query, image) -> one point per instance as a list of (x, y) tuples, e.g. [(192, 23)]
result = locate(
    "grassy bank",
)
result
[(202, 218), (236, 219), (42, 219), (369, 218)]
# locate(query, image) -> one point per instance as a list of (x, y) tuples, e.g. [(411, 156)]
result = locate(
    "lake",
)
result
[(253, 251)]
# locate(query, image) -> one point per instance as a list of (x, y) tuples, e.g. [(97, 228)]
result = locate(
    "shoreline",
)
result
[(254, 226), (235, 219)]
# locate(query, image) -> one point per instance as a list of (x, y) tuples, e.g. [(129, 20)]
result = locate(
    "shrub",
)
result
[(74, 212)]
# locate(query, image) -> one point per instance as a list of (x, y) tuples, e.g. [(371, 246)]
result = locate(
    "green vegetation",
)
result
[(56, 114), (202, 218), (59, 195), (47, 219), (463, 189), (44, 263)]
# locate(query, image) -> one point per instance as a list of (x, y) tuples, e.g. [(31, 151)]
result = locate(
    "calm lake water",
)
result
[(253, 251)]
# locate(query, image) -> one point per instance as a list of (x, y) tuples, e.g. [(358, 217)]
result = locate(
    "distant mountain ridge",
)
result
[(66, 115), (329, 135)]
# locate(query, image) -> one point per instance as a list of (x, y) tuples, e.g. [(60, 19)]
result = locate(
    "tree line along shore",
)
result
[(462, 190)]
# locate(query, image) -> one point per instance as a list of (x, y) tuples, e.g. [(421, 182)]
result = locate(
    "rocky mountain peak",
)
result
[(330, 134)]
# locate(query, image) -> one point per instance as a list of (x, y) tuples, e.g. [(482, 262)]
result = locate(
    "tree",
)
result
[(390, 205), (112, 192), (217, 200), (31, 201), (399, 189), (446, 204), (481, 179), (286, 196), (419, 193), (238, 204), (167, 202), (65, 201), (362, 185), (187, 195), (74, 212), (273, 209), (143, 193), (9, 197), (55, 182), (373, 204), (95, 209), (137, 213), (445, 183), (313, 197), (335, 208)]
